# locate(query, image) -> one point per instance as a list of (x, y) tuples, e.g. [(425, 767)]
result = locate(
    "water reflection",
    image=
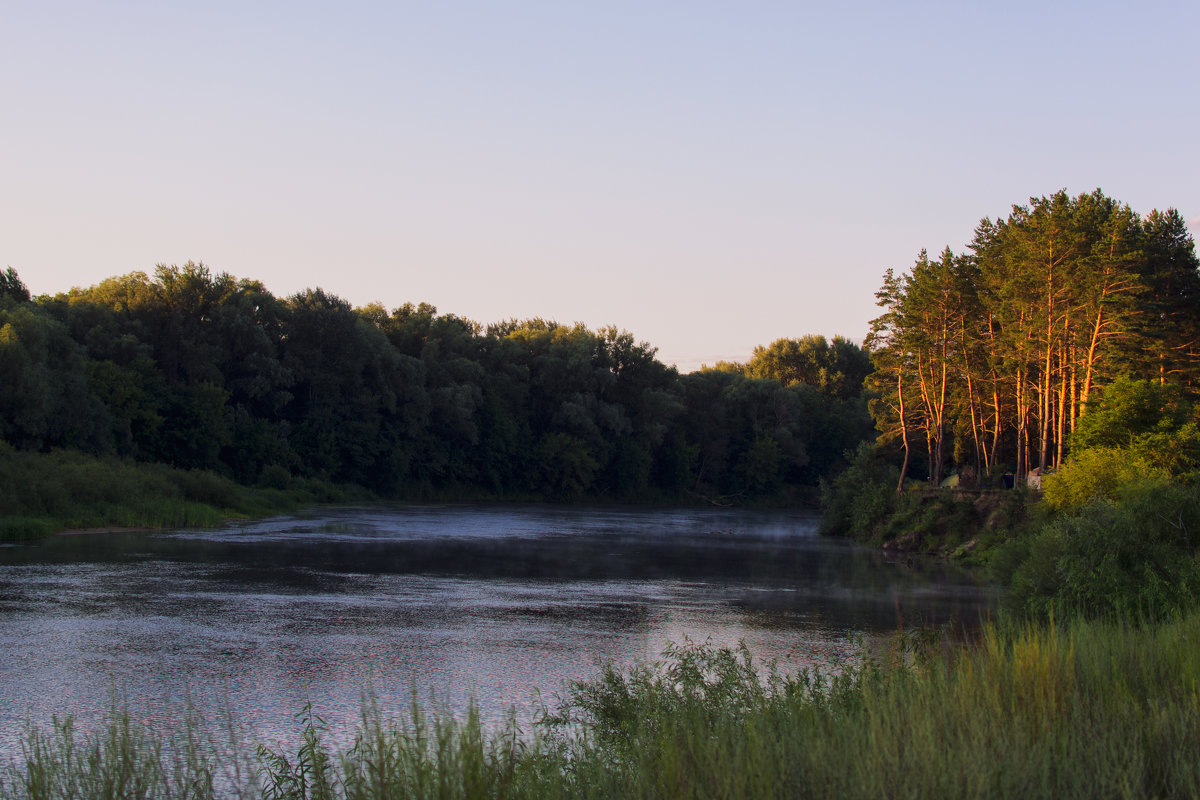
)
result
[(495, 602)]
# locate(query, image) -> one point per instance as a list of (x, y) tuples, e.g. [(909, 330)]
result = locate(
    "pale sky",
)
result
[(709, 176)]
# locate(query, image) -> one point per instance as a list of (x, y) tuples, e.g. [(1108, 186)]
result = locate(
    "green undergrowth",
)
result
[(1138, 554), (41, 493), (863, 503), (1095, 709)]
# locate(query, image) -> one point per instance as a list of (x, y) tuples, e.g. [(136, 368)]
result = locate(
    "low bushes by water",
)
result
[(1092, 710)]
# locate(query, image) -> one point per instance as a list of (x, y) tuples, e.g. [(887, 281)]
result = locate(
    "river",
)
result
[(499, 603)]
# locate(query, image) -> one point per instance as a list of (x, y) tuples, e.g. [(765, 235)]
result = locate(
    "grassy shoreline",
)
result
[(1091, 709), (66, 490), (1095, 708)]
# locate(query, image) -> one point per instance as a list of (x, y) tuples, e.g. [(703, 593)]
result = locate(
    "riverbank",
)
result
[(1083, 710), (65, 490), (1096, 543), (863, 503)]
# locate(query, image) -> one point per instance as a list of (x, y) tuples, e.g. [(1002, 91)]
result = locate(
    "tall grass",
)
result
[(1092, 711), (1085, 710), (45, 492)]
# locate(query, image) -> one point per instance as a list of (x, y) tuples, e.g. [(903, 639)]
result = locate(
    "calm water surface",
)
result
[(490, 602)]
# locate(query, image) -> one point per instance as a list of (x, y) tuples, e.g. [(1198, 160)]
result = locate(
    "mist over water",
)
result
[(491, 602)]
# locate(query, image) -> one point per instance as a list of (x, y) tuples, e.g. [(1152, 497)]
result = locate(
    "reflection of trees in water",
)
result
[(744, 560), (839, 609)]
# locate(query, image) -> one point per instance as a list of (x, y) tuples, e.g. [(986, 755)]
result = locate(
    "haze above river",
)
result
[(494, 602)]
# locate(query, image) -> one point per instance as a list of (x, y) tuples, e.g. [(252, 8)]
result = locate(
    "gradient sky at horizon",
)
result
[(707, 175)]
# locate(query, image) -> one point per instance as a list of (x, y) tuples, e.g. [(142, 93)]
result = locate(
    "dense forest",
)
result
[(981, 364), (208, 372)]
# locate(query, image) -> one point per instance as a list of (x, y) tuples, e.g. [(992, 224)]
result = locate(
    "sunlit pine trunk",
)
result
[(932, 421), (976, 419), (941, 418), (1060, 432), (924, 393), (999, 427), (1072, 404), (1045, 384), (995, 379), (980, 454), (1086, 390), (1110, 287), (1022, 438), (903, 429), (1043, 413), (929, 446)]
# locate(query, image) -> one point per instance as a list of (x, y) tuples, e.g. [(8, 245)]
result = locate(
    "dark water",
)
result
[(490, 602)]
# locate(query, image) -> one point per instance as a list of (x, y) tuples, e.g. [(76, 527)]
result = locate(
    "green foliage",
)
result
[(1138, 555), (567, 465), (274, 476), (12, 288), (930, 522), (200, 370), (725, 366), (837, 369), (1141, 433), (1119, 534), (44, 400), (760, 467), (859, 500), (1130, 411), (311, 774), (134, 397), (124, 760), (1150, 421), (697, 683), (1099, 472)]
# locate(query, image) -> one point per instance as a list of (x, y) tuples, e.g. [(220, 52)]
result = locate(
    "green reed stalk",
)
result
[(1076, 710)]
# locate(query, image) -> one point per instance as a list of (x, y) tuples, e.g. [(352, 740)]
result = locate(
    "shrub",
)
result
[(1135, 555), (1100, 472), (274, 476), (858, 500), (202, 486)]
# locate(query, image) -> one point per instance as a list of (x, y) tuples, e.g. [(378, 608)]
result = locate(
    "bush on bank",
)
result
[(1138, 556)]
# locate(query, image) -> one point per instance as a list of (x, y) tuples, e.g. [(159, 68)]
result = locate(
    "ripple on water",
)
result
[(497, 603)]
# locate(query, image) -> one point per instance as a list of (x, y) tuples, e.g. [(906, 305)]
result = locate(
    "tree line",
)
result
[(986, 361), (207, 371)]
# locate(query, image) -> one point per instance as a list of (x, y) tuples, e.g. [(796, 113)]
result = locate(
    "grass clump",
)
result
[(1092, 709)]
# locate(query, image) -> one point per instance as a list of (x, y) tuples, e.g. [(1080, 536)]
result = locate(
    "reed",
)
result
[(1080, 710)]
